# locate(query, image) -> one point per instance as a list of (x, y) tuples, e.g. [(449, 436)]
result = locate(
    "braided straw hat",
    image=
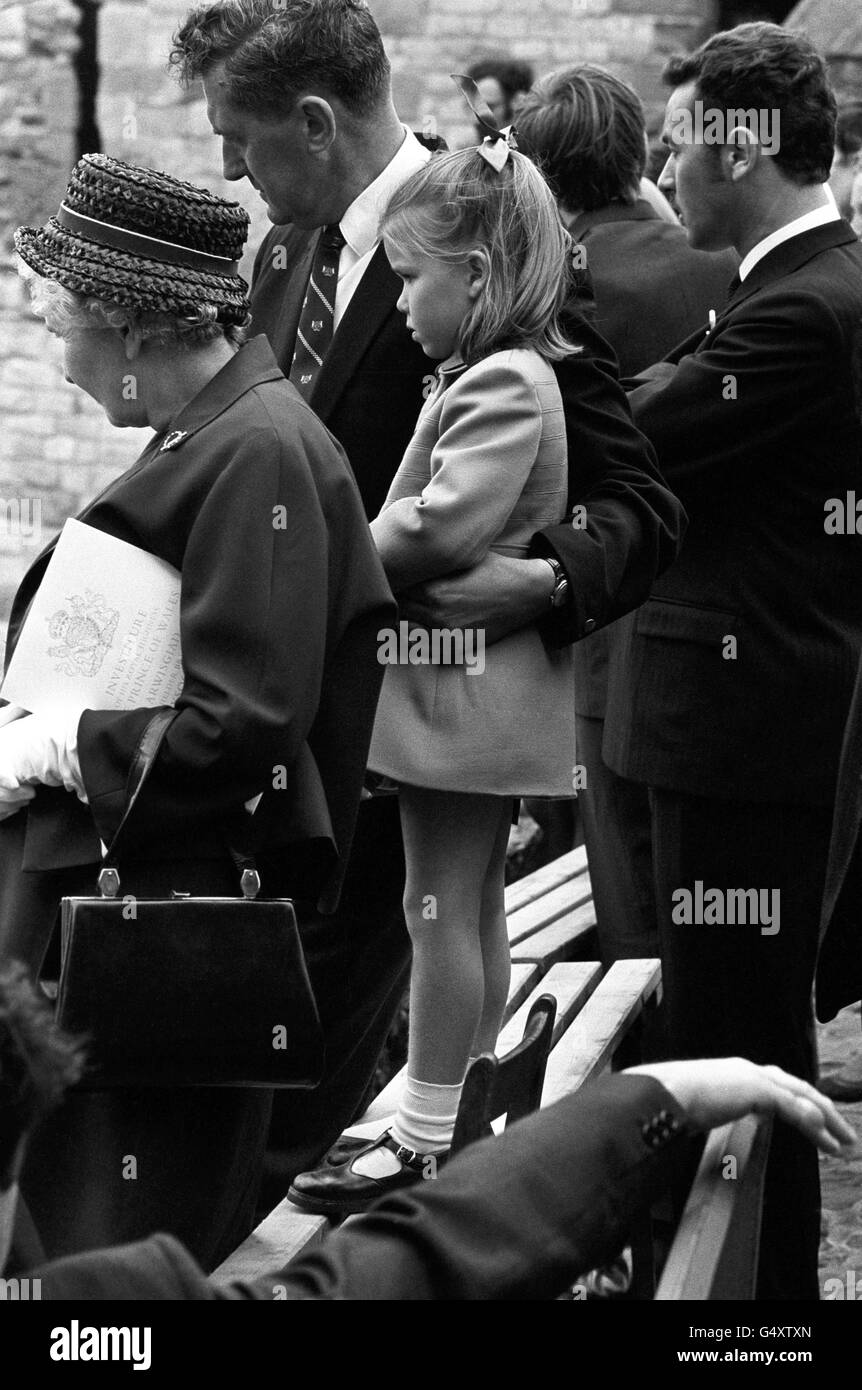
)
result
[(145, 240)]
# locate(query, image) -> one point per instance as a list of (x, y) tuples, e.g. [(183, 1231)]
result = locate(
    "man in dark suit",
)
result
[(585, 128), (739, 669), (300, 95), (511, 1218)]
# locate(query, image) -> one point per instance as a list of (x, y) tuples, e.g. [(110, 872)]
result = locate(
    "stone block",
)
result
[(403, 18)]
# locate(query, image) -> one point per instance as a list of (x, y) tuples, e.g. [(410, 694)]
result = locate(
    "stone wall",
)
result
[(56, 448)]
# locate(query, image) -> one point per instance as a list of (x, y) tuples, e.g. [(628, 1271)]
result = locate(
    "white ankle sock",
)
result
[(423, 1122), (426, 1114)]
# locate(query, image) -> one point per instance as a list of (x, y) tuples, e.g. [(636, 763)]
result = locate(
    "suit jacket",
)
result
[(279, 613), (840, 966), (652, 290), (371, 388), (739, 669), (519, 1217)]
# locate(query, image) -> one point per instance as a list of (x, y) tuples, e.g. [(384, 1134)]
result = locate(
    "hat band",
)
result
[(137, 244)]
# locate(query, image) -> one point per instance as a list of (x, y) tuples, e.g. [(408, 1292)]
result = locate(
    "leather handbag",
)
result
[(186, 991)]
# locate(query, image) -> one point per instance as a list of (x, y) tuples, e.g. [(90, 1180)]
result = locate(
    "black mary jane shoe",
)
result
[(346, 1146), (335, 1190)]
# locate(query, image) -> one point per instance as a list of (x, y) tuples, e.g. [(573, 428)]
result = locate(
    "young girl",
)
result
[(483, 258)]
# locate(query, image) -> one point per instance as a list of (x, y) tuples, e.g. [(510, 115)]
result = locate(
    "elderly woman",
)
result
[(244, 492)]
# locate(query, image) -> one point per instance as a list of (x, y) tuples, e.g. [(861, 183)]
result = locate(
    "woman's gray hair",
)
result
[(65, 310)]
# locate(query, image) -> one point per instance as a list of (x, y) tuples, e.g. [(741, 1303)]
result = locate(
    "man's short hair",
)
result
[(848, 128), (585, 128), (274, 49), (513, 74), (763, 67), (37, 1064)]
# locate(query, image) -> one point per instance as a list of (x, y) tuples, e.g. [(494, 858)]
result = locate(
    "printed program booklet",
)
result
[(103, 631)]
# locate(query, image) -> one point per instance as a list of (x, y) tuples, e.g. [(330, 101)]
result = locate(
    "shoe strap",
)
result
[(408, 1157)]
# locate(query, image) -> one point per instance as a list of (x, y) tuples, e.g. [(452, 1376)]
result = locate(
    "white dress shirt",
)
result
[(360, 223), (828, 212)]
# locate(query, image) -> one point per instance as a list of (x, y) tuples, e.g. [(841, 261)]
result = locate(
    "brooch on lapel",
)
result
[(172, 440)]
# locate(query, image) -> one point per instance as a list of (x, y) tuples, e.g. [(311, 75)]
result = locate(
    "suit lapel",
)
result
[(373, 301), (784, 260)]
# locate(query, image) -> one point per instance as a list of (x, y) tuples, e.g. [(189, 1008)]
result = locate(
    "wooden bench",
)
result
[(714, 1252), (551, 926), (552, 932)]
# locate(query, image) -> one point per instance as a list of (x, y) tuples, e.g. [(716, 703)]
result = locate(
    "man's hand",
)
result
[(714, 1092), (497, 596)]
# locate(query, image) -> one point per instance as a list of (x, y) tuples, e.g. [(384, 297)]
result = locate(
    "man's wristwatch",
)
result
[(560, 591)]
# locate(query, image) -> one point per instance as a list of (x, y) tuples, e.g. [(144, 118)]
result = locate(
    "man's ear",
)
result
[(319, 122), (740, 155), (479, 264)]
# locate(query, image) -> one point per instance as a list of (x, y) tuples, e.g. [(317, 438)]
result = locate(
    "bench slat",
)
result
[(526, 890), (561, 940), (383, 1106), (280, 1237), (530, 919), (714, 1252), (570, 984), (593, 1038)]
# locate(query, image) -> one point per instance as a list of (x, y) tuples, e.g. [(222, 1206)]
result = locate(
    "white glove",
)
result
[(41, 751)]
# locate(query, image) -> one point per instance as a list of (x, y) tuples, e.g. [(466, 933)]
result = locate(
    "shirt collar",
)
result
[(828, 212), (360, 223)]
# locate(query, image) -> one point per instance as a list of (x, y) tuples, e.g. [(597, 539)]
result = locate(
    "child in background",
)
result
[(476, 238)]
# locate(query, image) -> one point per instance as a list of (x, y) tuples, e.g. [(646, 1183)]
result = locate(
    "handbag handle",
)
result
[(142, 765)]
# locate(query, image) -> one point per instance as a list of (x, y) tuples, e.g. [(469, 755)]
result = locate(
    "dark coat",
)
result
[(278, 629), (519, 1217), (739, 670), (756, 429), (652, 290), (279, 633)]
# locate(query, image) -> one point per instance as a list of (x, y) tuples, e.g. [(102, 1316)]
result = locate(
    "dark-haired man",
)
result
[(739, 669), (300, 94), (585, 128)]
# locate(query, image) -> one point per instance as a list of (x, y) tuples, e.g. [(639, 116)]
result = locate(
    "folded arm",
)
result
[(490, 427)]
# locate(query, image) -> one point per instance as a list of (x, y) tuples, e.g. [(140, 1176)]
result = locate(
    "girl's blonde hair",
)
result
[(457, 204)]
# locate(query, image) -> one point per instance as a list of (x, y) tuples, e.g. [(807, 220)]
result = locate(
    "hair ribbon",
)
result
[(497, 143)]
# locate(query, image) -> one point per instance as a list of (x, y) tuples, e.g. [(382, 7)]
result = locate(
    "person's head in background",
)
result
[(502, 82), (37, 1065), (848, 153), (585, 129)]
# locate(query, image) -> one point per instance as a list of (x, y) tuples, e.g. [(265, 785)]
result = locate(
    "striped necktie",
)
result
[(317, 322)]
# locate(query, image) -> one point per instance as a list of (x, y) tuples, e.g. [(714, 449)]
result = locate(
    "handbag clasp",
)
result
[(250, 883), (109, 882)]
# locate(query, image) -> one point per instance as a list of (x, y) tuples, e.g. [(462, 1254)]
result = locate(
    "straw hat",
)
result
[(142, 239)]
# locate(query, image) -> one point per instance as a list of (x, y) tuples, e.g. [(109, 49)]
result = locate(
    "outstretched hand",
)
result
[(716, 1091)]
